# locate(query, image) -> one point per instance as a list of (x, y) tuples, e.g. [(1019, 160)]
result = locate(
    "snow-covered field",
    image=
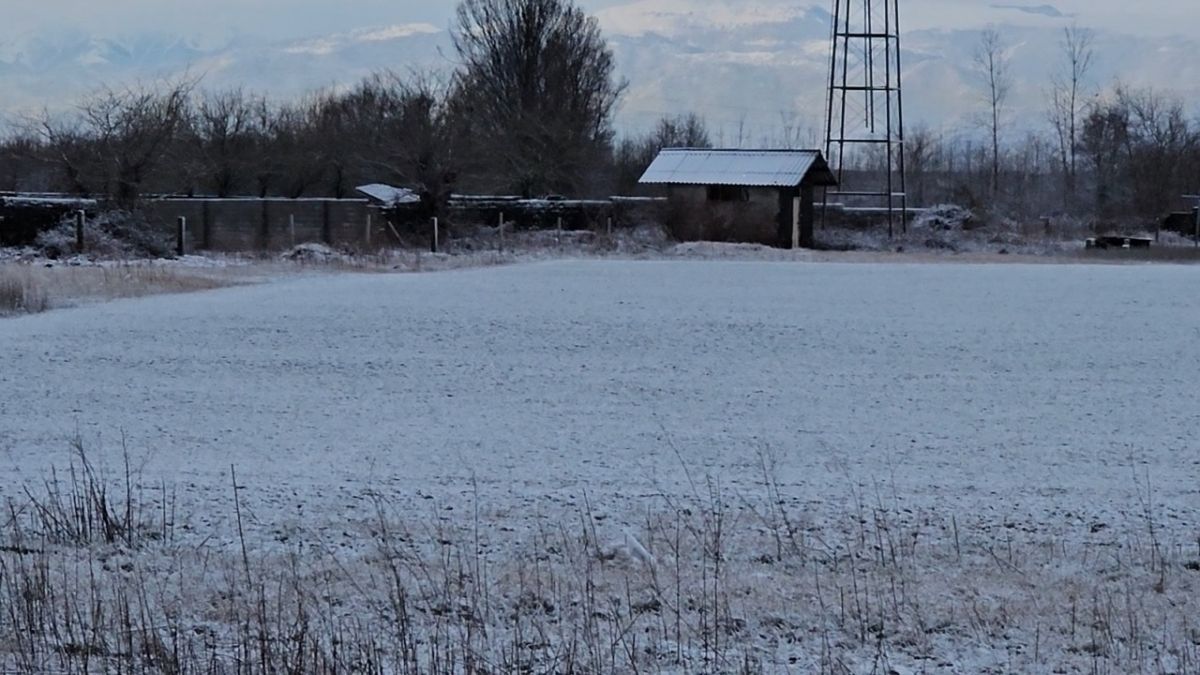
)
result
[(1046, 407)]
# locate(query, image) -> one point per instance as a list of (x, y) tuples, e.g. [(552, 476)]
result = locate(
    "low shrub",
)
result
[(112, 234)]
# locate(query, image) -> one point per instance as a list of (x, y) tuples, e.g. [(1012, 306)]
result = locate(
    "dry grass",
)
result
[(20, 293), (32, 289), (709, 582)]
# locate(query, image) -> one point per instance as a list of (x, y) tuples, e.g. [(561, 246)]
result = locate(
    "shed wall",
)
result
[(766, 218)]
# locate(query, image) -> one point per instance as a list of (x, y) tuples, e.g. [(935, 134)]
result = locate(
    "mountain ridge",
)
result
[(757, 80)]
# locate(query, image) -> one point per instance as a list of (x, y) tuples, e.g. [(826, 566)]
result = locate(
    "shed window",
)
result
[(728, 193)]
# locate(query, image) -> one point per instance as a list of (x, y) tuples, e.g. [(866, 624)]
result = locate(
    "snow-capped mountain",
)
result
[(755, 70), (763, 73), (53, 71)]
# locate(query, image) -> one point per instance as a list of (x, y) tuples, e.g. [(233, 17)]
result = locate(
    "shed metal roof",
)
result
[(745, 168)]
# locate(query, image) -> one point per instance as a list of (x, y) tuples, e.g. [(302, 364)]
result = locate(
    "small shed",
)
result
[(748, 196)]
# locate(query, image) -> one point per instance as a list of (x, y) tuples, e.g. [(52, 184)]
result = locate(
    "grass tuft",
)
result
[(21, 293)]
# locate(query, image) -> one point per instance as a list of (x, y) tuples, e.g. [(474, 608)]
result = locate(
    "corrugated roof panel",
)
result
[(749, 168), (389, 195)]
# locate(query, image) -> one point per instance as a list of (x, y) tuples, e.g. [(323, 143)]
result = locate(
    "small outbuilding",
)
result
[(745, 196)]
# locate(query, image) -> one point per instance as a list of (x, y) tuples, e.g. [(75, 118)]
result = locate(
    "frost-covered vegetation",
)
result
[(19, 294), (608, 466), (30, 289), (104, 574)]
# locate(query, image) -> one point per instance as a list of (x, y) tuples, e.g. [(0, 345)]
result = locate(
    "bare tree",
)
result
[(266, 166), (536, 93), (1104, 139), (118, 138), (1067, 106), (21, 164), (297, 159), (414, 143), (921, 147), (634, 155), (992, 66), (1161, 142), (224, 138), (794, 132)]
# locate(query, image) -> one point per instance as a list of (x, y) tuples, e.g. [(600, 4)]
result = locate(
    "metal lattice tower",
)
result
[(865, 123)]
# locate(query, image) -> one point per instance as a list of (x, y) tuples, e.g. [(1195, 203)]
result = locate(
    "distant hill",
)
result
[(756, 75)]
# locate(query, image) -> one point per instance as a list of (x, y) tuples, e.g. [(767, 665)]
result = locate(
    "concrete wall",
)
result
[(237, 225), (250, 224)]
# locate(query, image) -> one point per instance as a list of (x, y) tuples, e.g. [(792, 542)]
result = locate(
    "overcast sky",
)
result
[(218, 19)]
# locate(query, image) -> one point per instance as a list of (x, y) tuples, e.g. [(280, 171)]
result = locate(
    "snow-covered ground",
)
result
[(1057, 402), (1022, 389)]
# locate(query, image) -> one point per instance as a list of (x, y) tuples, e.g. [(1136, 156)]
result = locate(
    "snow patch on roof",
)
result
[(752, 168), (388, 195)]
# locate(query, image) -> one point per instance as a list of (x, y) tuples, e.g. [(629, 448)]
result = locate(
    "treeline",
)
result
[(529, 112), (1118, 155), (1137, 153)]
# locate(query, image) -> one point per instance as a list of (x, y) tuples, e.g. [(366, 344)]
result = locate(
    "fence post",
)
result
[(1197, 198), (80, 216), (326, 229), (435, 236), (264, 226), (502, 233), (367, 238), (292, 228), (1198, 222), (181, 236), (205, 226), (610, 226), (558, 233)]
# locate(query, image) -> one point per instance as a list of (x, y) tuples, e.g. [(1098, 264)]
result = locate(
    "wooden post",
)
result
[(1197, 198), (435, 235), (80, 217), (326, 229), (502, 233), (558, 233), (367, 237), (292, 228), (807, 216), (795, 223), (181, 236), (610, 226), (205, 226), (264, 226)]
